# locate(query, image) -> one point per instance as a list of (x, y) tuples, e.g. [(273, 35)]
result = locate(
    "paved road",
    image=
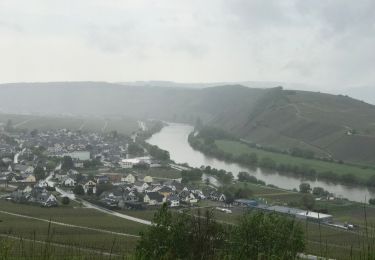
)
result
[(114, 213), (96, 207), (23, 122)]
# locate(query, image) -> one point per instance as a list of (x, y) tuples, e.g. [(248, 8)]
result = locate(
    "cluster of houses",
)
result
[(139, 191), (130, 190), (38, 194), (18, 173), (133, 190)]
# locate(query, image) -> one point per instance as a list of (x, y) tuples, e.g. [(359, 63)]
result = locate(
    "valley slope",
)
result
[(330, 125)]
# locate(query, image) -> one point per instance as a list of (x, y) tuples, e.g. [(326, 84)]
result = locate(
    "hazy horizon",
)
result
[(323, 45)]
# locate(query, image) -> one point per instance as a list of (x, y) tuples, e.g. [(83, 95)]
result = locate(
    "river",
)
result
[(173, 138)]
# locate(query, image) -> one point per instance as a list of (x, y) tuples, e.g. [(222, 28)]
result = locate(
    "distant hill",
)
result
[(365, 93), (334, 125)]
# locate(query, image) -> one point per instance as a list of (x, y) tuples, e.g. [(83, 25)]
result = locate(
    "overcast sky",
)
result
[(323, 43)]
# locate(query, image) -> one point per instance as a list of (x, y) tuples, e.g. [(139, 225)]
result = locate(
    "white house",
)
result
[(51, 200), (42, 184), (148, 179), (30, 178), (174, 201), (90, 185), (69, 182), (79, 155), (129, 178), (78, 164), (154, 198), (141, 187)]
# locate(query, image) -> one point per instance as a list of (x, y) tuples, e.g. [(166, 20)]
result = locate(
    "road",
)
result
[(15, 160), (23, 122), (114, 213), (93, 206)]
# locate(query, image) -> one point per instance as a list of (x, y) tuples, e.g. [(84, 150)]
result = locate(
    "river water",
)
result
[(174, 138)]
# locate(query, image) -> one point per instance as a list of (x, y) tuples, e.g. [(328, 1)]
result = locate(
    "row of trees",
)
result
[(246, 177), (157, 153), (221, 175), (234, 192), (185, 236)]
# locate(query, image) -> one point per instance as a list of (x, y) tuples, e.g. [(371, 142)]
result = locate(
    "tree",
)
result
[(308, 201), (319, 191), (9, 126), (246, 177), (266, 236), (34, 132), (67, 163), (135, 149), (268, 163), (65, 200), (191, 176), (39, 173), (371, 201), (102, 188), (78, 190), (183, 237), (304, 188), (51, 165), (158, 153)]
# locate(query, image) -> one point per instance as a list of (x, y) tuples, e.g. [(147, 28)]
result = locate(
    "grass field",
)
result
[(162, 173), (78, 237), (237, 148)]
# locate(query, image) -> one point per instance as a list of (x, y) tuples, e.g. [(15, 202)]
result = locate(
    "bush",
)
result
[(304, 188), (308, 201), (266, 236), (78, 190), (65, 200), (185, 236), (49, 188), (268, 163)]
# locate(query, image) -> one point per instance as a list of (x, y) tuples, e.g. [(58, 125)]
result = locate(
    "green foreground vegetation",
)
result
[(177, 241)]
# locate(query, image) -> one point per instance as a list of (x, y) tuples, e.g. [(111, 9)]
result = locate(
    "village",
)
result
[(52, 168), (97, 167)]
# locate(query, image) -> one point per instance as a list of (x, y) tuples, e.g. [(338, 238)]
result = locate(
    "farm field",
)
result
[(162, 173), (320, 240), (100, 239), (238, 148)]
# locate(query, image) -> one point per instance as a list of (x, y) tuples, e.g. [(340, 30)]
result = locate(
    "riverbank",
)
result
[(236, 151)]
